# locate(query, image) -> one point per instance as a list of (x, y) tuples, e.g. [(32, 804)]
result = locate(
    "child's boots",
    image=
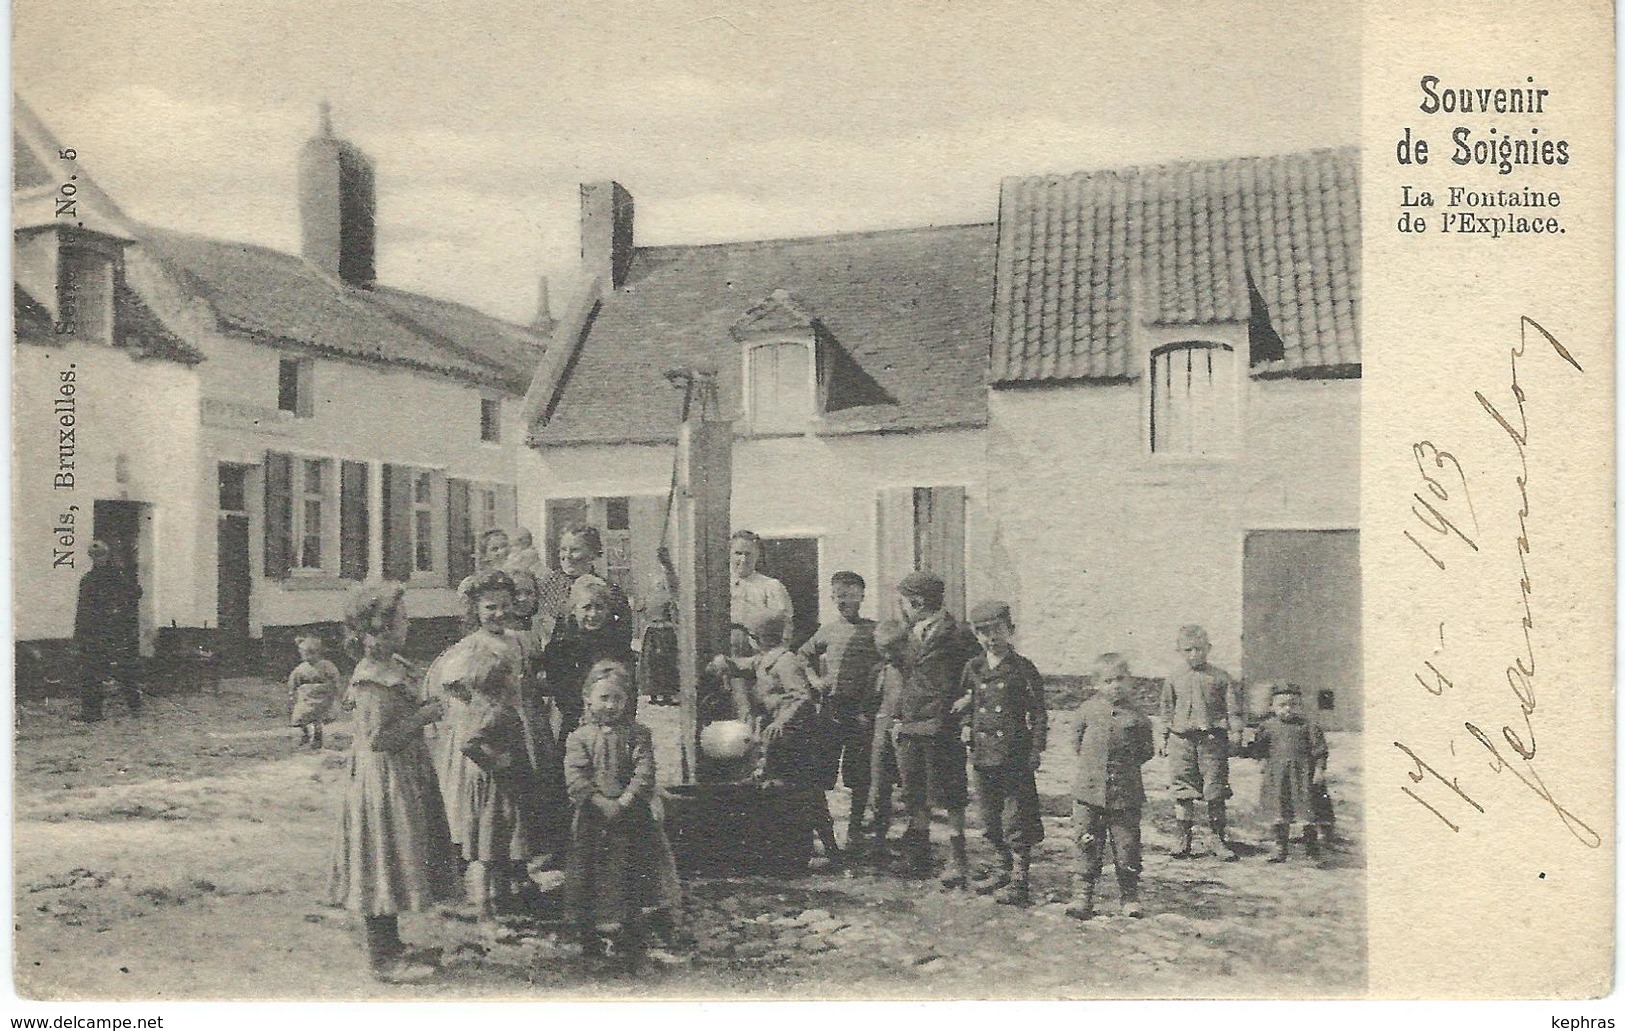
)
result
[(1311, 841), (1017, 893), (854, 833), (994, 879), (386, 953), (1221, 843), (1128, 893), (1082, 906), (957, 873), (917, 853), (1283, 834)]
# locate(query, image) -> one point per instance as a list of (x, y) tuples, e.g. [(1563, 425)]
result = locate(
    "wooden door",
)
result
[(1301, 618), (793, 561)]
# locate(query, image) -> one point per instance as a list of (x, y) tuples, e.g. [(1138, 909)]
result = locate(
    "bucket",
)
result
[(743, 828)]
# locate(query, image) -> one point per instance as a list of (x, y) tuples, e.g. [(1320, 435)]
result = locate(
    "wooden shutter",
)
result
[(894, 547), (939, 514), (460, 543), (278, 515), (397, 522), (507, 506), (437, 526), (353, 542)]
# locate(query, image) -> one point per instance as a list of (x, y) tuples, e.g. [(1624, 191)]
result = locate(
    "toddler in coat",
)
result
[(313, 690), (1294, 754)]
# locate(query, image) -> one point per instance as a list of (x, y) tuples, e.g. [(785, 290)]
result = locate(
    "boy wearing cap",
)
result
[(1004, 695), (841, 654), (930, 755), (1112, 742), (1294, 754), (1201, 709)]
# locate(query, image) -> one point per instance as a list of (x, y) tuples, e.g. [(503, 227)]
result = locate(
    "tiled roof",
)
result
[(1083, 256), (279, 298), (905, 312)]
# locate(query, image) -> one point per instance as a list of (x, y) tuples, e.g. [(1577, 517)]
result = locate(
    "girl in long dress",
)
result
[(392, 852)]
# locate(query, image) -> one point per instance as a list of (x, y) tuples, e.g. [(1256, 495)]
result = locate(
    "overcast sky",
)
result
[(726, 120)]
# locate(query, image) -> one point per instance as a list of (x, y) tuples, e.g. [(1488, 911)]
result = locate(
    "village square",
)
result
[(960, 609)]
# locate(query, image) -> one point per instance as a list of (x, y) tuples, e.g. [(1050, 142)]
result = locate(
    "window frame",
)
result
[(752, 405), (327, 530), (423, 522), (1226, 396)]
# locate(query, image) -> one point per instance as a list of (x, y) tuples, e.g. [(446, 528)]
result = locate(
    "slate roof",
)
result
[(280, 299), (1081, 256), (905, 313)]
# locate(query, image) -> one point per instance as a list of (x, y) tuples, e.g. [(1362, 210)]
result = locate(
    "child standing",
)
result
[(930, 755), (579, 644), (1294, 754), (891, 641), (1008, 729), (313, 689), (1201, 708), (620, 862), (392, 852), (1112, 741), (841, 654), (494, 809)]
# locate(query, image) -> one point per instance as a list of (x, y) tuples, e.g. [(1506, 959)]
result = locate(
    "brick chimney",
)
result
[(543, 323), (336, 206), (606, 232)]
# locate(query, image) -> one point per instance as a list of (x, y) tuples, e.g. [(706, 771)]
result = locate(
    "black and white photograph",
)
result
[(573, 501)]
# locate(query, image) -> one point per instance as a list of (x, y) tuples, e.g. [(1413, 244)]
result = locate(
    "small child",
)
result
[(1201, 709), (1294, 754), (841, 654), (313, 690), (590, 638), (891, 641), (494, 809), (403, 861), (620, 863), (1112, 741), (1008, 728), (524, 557)]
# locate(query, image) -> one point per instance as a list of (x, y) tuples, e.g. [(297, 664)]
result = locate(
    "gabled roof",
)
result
[(908, 308), (281, 300), (1082, 257)]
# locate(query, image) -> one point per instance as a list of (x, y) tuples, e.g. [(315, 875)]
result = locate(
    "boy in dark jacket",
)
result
[(1004, 696), (1112, 740), (930, 755)]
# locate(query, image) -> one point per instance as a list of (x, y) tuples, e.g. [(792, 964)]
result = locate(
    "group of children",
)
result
[(909, 702), (475, 771)]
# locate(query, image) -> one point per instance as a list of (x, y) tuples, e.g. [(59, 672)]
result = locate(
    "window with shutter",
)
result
[(939, 536), (397, 522), (278, 515)]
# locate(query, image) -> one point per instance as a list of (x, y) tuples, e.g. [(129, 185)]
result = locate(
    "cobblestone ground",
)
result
[(181, 854)]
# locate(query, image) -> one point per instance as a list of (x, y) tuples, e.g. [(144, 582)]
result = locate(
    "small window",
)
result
[(617, 514), (233, 488), (1192, 399), (490, 420), (781, 388), (293, 386), (1327, 700), (311, 514), (86, 294), (422, 524), (488, 509)]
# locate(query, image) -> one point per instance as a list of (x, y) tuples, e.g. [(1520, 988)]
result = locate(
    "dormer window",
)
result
[(1193, 394), (86, 293), (781, 394)]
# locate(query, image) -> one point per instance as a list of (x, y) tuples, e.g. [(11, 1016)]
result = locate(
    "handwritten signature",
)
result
[(1442, 476)]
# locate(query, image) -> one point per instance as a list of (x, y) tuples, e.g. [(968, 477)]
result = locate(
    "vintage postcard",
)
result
[(718, 500)]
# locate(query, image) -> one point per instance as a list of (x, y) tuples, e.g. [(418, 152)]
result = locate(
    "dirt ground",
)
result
[(182, 854)]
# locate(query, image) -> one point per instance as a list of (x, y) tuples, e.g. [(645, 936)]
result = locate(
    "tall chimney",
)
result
[(606, 232), (543, 322), (336, 206)]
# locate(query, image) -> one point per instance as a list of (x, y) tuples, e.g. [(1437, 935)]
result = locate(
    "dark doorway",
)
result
[(118, 525), (793, 561), (1301, 618), (233, 581)]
